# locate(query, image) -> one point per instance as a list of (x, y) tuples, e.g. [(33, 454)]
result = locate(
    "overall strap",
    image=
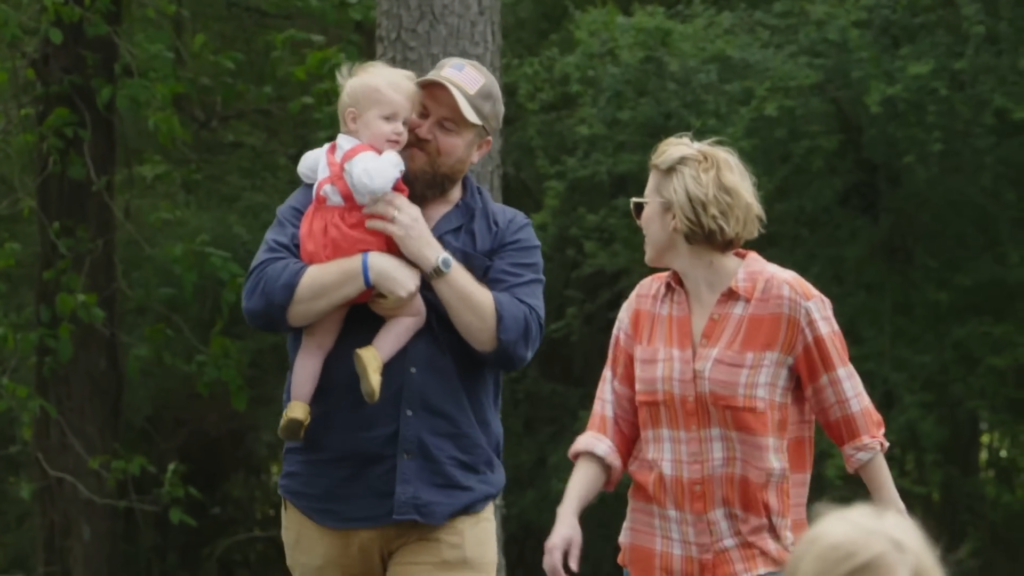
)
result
[(337, 168)]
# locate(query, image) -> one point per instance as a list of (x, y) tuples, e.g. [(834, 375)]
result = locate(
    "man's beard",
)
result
[(431, 181)]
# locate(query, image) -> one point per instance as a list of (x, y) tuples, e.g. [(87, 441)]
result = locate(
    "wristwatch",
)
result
[(442, 267)]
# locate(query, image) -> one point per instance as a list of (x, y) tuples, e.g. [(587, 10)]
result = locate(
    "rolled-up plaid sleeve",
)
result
[(612, 431), (833, 388)]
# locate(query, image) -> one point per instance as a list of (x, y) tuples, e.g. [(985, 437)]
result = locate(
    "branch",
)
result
[(232, 4), (75, 444), (85, 492), (223, 544)]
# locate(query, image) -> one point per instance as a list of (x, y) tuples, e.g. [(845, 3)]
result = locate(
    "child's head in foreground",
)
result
[(864, 540), (376, 102)]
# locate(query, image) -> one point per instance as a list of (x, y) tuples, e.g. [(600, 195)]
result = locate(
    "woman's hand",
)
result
[(563, 545)]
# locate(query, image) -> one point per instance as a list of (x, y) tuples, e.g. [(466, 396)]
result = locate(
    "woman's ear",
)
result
[(351, 118)]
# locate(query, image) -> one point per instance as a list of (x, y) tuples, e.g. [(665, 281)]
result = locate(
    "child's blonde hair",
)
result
[(710, 190), (361, 83), (863, 540)]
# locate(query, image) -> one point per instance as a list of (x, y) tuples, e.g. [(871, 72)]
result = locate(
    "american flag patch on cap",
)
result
[(464, 75)]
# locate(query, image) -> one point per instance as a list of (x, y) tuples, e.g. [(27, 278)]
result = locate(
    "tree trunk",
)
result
[(416, 34), (78, 371)]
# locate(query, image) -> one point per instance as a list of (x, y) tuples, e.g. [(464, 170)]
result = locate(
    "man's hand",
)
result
[(563, 545), (399, 218), (393, 277)]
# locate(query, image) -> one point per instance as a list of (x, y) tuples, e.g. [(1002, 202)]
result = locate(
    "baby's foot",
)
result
[(294, 421), (369, 367)]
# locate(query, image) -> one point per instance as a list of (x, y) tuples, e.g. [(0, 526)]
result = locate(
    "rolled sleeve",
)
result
[(612, 430), (834, 389), (516, 281), (277, 268)]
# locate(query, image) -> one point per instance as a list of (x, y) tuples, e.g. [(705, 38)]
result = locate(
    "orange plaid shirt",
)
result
[(718, 437)]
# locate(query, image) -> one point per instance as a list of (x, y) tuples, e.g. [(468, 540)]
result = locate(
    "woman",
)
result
[(716, 372)]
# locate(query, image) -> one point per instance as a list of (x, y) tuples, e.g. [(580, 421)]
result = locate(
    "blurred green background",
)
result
[(887, 136)]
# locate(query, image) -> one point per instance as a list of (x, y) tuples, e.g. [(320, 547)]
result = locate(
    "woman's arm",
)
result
[(839, 401), (878, 479), (612, 431), (589, 476)]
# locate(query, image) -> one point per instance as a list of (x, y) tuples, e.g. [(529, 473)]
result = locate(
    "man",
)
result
[(406, 486)]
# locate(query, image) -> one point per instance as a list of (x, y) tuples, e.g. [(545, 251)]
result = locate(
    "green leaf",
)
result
[(56, 36), (65, 304)]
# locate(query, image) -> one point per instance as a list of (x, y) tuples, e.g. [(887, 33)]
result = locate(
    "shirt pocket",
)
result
[(743, 391), (743, 388), (658, 377), (747, 380), (477, 264)]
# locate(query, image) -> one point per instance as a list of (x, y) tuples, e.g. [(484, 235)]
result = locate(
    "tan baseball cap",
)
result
[(475, 90)]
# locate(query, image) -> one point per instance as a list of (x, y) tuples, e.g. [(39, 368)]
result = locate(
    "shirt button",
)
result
[(408, 412), (697, 487), (406, 455), (716, 316), (413, 369), (703, 341)]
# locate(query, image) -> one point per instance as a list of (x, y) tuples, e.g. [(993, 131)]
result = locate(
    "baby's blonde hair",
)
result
[(710, 190), (864, 540), (359, 84)]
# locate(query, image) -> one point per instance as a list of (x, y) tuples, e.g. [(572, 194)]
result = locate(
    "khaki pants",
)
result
[(465, 546)]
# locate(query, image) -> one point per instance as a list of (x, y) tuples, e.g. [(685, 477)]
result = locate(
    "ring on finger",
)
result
[(394, 215)]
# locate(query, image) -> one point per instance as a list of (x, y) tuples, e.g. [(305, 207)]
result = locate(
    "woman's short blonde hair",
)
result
[(710, 190), (360, 84), (864, 540)]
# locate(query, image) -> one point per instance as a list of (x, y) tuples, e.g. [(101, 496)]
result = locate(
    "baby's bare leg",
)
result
[(317, 341), (400, 324)]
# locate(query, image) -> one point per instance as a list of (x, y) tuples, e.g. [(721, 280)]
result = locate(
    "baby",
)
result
[(864, 540), (356, 169)]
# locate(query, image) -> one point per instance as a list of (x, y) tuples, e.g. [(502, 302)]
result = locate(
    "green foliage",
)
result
[(882, 134), (203, 96), (885, 135)]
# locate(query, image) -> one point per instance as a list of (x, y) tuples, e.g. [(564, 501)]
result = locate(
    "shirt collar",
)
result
[(468, 205), (744, 283)]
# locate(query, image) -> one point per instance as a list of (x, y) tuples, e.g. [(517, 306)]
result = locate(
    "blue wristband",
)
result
[(366, 271)]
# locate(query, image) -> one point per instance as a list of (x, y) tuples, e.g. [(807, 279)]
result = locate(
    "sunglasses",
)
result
[(636, 206)]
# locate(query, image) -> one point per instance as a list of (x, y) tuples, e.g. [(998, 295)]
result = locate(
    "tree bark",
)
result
[(78, 368), (416, 34)]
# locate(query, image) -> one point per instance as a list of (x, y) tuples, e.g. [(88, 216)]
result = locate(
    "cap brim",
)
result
[(464, 106)]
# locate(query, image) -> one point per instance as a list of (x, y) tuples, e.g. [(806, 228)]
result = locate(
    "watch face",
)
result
[(445, 262)]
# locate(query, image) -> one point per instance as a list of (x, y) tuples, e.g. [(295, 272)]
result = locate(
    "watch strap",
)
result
[(437, 271)]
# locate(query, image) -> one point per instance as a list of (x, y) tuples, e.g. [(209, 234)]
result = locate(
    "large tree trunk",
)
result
[(416, 34), (78, 370)]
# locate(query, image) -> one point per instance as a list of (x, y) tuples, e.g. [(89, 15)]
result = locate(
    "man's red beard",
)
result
[(430, 180)]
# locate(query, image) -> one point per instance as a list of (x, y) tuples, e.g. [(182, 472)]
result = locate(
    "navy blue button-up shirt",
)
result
[(431, 448)]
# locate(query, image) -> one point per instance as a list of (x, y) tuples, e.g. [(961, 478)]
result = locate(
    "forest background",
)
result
[(145, 144)]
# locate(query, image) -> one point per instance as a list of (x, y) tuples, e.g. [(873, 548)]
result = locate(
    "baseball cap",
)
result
[(475, 89)]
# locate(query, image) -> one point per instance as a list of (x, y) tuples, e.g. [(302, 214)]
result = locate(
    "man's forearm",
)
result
[(878, 479), (470, 305), (323, 288), (588, 476)]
